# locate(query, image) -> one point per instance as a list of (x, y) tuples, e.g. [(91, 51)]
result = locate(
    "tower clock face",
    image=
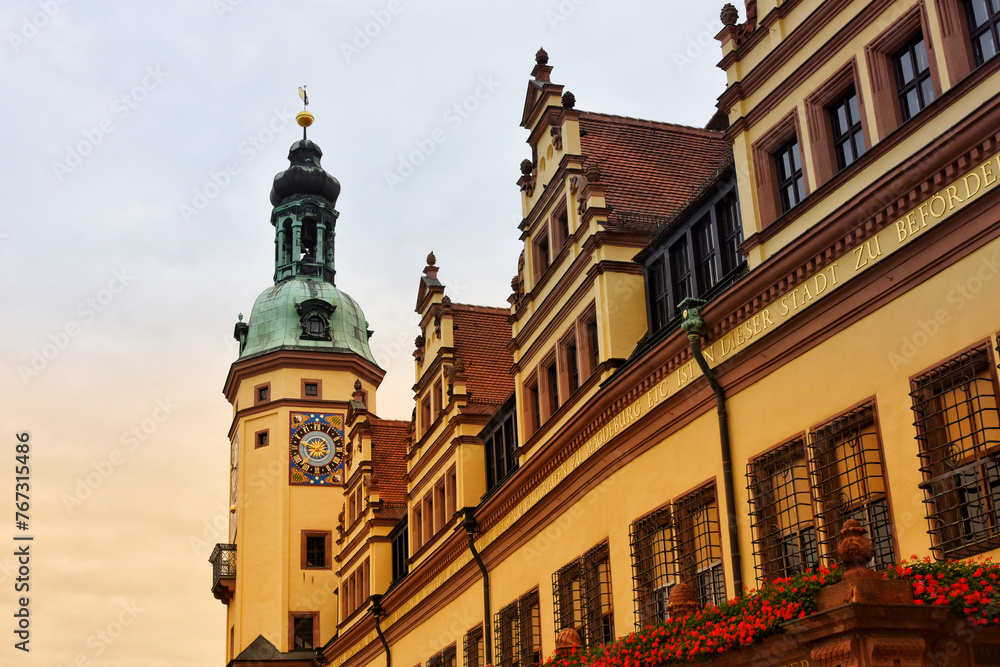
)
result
[(316, 449)]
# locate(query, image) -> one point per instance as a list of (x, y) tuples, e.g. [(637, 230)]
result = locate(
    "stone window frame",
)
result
[(262, 393), (327, 536), (820, 124), (294, 616), (880, 56), (319, 389), (766, 168)]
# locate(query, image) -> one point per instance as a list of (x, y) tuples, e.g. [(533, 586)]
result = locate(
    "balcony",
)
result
[(223, 560)]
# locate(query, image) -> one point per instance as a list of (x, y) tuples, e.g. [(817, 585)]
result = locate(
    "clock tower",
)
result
[(304, 357)]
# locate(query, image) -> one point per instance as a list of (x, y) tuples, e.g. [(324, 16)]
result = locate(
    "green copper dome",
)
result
[(306, 315), (304, 311)]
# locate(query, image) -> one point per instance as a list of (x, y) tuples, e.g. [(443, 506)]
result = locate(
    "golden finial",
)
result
[(304, 118)]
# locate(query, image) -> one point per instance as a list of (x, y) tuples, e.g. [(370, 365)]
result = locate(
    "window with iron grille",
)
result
[(697, 544), (781, 514), (846, 460), (654, 571), (475, 648), (446, 658), (913, 77), (984, 28), (582, 594), (791, 186), (848, 135), (958, 432), (518, 633)]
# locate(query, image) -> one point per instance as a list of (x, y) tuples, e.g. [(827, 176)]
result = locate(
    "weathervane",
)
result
[(304, 118)]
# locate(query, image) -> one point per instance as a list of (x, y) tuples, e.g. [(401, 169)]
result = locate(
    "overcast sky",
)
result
[(139, 144)]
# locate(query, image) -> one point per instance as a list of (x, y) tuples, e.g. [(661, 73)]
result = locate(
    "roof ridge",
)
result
[(640, 122), (473, 308)]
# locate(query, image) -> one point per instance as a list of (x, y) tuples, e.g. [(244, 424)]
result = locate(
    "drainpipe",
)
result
[(693, 325), (469, 523), (377, 613)]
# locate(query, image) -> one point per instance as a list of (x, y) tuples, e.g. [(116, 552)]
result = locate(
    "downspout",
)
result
[(693, 325), (469, 523), (377, 613)]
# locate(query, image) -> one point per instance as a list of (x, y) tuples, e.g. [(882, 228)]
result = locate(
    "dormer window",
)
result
[(314, 317), (315, 326)]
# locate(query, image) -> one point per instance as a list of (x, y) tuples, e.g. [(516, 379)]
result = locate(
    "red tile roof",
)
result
[(481, 337), (649, 168), (390, 442)]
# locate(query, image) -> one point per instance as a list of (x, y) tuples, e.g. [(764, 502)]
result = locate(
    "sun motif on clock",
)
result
[(316, 449)]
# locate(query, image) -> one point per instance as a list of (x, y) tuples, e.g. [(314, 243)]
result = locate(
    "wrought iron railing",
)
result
[(223, 560)]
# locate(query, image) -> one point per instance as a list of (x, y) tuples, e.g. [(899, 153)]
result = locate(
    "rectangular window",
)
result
[(451, 492), (846, 460), (593, 351), (706, 256), (582, 594), (518, 633), (316, 551), (730, 233), (654, 571), (533, 405), (400, 541), (311, 388), (437, 399), (984, 28), (698, 544), (848, 135), (440, 504), (304, 631), (261, 439), (429, 527), (570, 365), (475, 648), (560, 230), (781, 515), (791, 186), (418, 525), (659, 295), (681, 278), (914, 86), (541, 253), (425, 414), (958, 431), (501, 450), (446, 658), (262, 393), (356, 588), (551, 376)]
